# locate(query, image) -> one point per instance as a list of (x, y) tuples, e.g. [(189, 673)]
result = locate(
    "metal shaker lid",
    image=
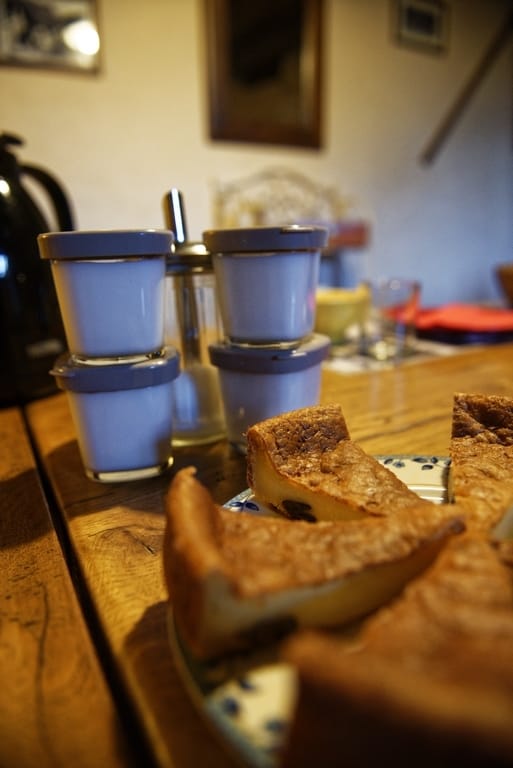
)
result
[(188, 257)]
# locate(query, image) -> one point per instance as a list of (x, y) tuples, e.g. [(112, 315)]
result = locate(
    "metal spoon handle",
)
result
[(186, 305), (174, 212)]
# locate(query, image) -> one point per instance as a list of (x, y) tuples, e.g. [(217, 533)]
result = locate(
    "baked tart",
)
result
[(237, 580), (481, 474), (303, 465), (429, 681)]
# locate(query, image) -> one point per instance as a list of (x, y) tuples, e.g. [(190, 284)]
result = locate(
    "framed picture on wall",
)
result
[(264, 70), (421, 24), (52, 34)]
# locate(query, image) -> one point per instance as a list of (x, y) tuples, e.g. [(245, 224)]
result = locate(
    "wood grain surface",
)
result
[(116, 531), (50, 676), (408, 409)]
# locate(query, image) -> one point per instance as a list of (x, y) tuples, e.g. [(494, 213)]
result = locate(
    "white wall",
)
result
[(120, 139)]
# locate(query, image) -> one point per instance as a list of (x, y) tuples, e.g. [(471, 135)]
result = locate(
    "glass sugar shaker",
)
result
[(192, 323)]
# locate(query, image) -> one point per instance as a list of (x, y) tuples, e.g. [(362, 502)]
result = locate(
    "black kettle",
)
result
[(31, 330)]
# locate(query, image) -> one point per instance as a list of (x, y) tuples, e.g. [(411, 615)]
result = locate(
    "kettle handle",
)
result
[(56, 193)]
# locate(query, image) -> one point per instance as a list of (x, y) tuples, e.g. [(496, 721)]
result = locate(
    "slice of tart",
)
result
[(429, 682), (481, 475), (237, 580), (304, 465)]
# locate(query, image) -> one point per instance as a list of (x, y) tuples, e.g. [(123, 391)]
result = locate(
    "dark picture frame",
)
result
[(422, 24), (264, 71), (50, 34)]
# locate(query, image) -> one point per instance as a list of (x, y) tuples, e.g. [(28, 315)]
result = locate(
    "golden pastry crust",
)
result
[(303, 464), (302, 432), (262, 554), (481, 476), (489, 418), (265, 554), (189, 547), (348, 473), (257, 557), (467, 594), (295, 442), (430, 675)]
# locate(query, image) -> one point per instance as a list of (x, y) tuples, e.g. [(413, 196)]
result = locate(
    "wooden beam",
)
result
[(448, 123)]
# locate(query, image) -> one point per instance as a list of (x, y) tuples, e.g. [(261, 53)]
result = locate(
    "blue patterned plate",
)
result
[(248, 698)]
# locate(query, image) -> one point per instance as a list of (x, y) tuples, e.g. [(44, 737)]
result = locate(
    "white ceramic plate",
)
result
[(248, 699)]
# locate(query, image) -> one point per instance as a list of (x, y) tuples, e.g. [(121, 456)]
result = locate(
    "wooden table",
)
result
[(87, 673)]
